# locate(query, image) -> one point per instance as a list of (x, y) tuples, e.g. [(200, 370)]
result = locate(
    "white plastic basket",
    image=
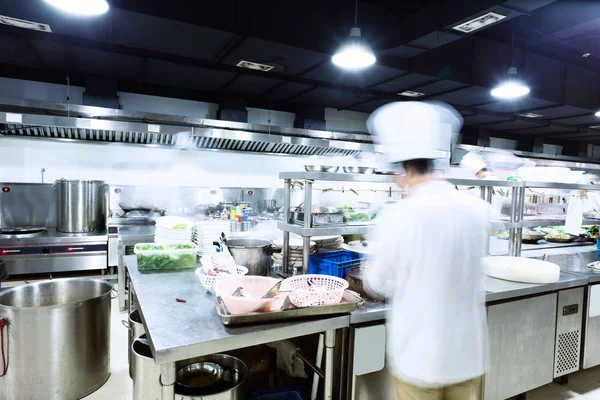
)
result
[(315, 290), (208, 281)]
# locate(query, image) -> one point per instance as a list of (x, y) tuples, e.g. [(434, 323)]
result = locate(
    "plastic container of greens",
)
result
[(358, 216), (166, 257)]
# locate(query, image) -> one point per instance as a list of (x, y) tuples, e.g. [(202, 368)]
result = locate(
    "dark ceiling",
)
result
[(189, 49)]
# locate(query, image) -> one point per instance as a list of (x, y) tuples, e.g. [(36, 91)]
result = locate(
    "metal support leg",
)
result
[(121, 277), (167, 381), (286, 235), (308, 185), (329, 348)]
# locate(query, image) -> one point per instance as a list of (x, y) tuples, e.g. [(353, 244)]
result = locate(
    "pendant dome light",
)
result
[(81, 7), (512, 87), (354, 54)]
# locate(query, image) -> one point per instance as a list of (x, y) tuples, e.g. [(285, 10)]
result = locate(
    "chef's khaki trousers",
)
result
[(469, 390)]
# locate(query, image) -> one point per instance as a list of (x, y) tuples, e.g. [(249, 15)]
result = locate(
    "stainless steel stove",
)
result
[(29, 242)]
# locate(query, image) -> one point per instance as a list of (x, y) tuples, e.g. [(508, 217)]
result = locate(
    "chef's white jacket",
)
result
[(429, 266)]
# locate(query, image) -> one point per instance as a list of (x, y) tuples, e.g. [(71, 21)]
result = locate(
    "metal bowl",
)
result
[(321, 168), (199, 375), (359, 170)]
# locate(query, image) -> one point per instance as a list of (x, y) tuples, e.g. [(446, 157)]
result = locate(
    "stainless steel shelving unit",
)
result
[(514, 224)]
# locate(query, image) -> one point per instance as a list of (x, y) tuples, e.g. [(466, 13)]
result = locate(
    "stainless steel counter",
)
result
[(131, 235), (496, 290), (178, 331)]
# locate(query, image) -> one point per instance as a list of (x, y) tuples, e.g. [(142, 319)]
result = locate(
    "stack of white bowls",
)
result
[(326, 244), (207, 232), (296, 252), (173, 230)]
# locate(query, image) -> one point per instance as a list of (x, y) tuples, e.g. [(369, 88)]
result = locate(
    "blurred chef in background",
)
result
[(429, 263), (473, 162)]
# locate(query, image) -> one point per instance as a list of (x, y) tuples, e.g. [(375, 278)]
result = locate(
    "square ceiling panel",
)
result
[(404, 82), (517, 124), (286, 91), (100, 63), (434, 40), (402, 52), (561, 112), (293, 60), (590, 119), (17, 51), (167, 36), (329, 98), (329, 72), (250, 85), (183, 76), (468, 96), (544, 129), (52, 54), (484, 119), (369, 106), (439, 87), (517, 105)]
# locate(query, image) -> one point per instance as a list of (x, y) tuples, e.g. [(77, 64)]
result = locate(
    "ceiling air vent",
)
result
[(479, 22), (254, 66), (410, 93), (21, 23), (530, 115)]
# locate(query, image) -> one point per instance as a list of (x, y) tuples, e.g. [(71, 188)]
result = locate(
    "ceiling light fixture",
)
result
[(410, 93), (81, 7), (586, 55), (513, 87), (479, 22), (354, 54), (22, 23), (530, 115), (597, 114), (255, 66)]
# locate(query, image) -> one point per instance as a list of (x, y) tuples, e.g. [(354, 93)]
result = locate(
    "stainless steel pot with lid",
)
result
[(254, 254), (80, 206), (56, 338), (212, 377)]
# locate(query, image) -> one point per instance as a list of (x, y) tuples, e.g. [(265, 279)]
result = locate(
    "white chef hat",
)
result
[(409, 130), (473, 162)]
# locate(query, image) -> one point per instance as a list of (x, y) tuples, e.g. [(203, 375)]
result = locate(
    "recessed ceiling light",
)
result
[(254, 66), (410, 93), (479, 22), (21, 23), (586, 55), (81, 7), (530, 115)]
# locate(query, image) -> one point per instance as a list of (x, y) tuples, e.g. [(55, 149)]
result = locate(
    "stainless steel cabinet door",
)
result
[(591, 346), (521, 346)]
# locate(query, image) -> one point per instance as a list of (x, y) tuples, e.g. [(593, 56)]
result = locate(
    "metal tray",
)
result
[(349, 303)]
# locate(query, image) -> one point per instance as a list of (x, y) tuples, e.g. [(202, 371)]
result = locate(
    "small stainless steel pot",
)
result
[(254, 254)]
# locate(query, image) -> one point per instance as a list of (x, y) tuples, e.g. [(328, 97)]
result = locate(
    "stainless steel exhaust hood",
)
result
[(58, 121)]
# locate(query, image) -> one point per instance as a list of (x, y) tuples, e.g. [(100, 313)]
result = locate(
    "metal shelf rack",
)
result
[(515, 222)]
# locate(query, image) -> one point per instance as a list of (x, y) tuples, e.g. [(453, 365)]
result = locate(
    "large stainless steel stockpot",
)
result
[(57, 338), (80, 206)]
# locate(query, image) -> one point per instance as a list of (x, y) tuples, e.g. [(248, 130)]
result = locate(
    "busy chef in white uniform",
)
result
[(428, 266)]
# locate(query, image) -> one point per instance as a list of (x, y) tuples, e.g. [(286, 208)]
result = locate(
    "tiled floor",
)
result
[(582, 385)]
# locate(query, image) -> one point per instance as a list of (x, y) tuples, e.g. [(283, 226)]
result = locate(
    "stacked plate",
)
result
[(207, 232), (173, 230), (328, 243), (296, 253)]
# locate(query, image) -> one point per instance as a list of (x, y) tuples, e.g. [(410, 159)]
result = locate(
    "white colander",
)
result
[(314, 290)]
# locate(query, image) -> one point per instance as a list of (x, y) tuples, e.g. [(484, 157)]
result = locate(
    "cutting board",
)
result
[(519, 269)]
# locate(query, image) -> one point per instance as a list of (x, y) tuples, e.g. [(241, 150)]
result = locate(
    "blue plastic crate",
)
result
[(336, 263), (289, 393)]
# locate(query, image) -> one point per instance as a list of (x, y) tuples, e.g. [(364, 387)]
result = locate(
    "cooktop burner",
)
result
[(22, 230)]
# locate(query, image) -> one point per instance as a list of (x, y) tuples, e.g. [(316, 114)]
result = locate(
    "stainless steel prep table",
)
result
[(129, 236), (179, 331), (496, 290)]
